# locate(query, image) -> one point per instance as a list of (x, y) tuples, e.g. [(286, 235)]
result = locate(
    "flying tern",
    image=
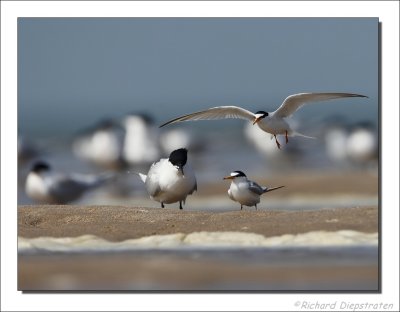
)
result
[(273, 122)]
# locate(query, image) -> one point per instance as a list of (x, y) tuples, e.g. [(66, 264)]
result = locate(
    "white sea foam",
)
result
[(91, 243)]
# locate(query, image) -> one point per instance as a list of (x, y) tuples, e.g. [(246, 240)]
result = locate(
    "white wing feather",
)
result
[(295, 101), (220, 112)]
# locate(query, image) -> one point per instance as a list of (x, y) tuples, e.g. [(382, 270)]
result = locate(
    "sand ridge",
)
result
[(117, 223)]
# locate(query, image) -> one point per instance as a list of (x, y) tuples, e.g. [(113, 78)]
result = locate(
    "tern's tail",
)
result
[(143, 177), (301, 135), (266, 189), (105, 177), (93, 181)]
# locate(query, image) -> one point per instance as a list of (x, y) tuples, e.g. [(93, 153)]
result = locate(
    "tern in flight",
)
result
[(274, 122)]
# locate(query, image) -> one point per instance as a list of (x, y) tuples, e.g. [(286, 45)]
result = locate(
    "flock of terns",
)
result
[(170, 180)]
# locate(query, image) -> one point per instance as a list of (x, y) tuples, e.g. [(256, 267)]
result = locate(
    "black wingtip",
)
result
[(360, 95), (169, 122)]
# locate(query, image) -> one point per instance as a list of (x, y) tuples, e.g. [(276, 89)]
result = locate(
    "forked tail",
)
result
[(266, 189), (302, 135)]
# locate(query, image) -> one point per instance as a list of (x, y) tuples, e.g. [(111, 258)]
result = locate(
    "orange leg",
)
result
[(277, 143), (287, 139)]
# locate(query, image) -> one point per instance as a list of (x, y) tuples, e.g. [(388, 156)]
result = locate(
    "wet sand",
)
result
[(116, 223), (200, 270), (242, 269)]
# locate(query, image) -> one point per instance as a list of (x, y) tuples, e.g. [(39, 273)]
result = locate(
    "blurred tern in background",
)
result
[(357, 143), (46, 186), (27, 150), (176, 138), (273, 122), (256, 137), (171, 179), (102, 145), (141, 145), (245, 191), (277, 158), (362, 144), (335, 137)]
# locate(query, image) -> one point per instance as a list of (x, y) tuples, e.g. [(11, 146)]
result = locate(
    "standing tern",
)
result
[(273, 122), (49, 187), (170, 179), (245, 191)]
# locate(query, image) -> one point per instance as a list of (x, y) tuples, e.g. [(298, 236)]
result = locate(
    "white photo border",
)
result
[(386, 11)]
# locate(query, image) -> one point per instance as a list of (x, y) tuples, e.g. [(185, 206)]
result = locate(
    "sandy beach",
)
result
[(118, 223), (324, 204), (131, 220), (239, 269)]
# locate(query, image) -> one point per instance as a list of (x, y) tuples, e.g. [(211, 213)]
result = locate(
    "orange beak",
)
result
[(228, 178), (257, 119)]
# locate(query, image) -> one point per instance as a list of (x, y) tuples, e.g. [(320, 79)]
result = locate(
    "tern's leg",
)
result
[(287, 139), (277, 143), (162, 205), (256, 206), (241, 207), (180, 205)]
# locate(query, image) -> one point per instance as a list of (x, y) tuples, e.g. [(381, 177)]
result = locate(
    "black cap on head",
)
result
[(40, 166), (262, 113), (238, 173), (178, 157)]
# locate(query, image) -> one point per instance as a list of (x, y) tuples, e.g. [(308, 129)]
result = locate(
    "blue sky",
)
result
[(75, 71)]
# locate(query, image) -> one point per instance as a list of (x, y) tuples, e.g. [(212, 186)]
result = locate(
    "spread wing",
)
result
[(220, 112), (295, 101)]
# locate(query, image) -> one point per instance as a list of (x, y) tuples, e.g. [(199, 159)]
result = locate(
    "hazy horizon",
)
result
[(74, 71)]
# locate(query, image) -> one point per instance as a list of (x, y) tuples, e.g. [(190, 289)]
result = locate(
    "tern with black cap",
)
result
[(49, 187), (171, 179), (245, 191), (273, 122)]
